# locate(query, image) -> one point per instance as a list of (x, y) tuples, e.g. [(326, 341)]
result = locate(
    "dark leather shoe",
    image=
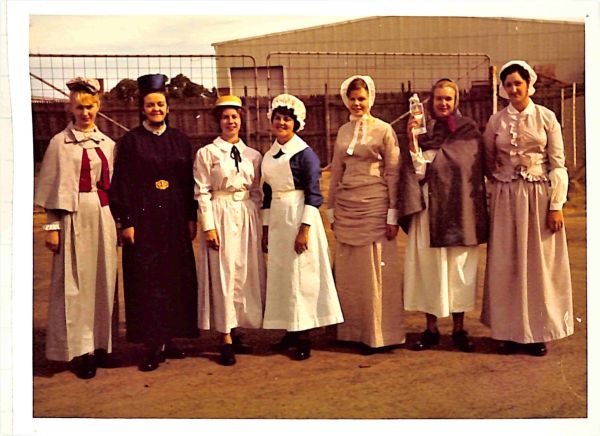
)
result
[(302, 351), (240, 347), (462, 341), (537, 349), (171, 352), (428, 340), (507, 347), (84, 366), (151, 360), (227, 357), (366, 350), (289, 340), (104, 359)]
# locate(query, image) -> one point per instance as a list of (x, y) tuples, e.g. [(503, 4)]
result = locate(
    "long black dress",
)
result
[(152, 189)]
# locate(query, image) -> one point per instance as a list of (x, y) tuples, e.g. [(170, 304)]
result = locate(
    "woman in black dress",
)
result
[(152, 200)]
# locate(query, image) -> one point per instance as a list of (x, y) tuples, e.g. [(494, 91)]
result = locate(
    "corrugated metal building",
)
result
[(554, 48)]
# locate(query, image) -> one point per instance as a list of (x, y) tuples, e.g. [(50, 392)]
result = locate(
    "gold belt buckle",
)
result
[(161, 184), (238, 195)]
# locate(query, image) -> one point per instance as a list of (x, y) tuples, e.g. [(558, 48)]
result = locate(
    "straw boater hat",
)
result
[(290, 102), (228, 100), (532, 77)]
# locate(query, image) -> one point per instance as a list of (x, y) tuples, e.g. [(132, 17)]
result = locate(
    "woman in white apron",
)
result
[(73, 186), (300, 294), (231, 269)]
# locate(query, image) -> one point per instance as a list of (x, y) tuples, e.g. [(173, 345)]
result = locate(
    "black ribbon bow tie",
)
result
[(236, 156)]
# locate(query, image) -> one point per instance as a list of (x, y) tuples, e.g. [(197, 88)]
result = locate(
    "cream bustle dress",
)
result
[(301, 293), (527, 291), (231, 280), (437, 280), (84, 270), (363, 194)]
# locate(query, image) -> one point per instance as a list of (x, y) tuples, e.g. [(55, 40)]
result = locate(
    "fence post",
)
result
[(247, 117), (327, 126), (574, 127), (494, 82), (562, 108)]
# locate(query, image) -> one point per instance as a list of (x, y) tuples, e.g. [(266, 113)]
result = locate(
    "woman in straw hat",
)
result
[(153, 203), (300, 294), (527, 293), (73, 186), (231, 269)]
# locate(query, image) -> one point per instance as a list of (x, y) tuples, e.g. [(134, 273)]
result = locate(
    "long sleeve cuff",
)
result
[(264, 216), (392, 217), (559, 185), (310, 215), (52, 220), (330, 216), (207, 221)]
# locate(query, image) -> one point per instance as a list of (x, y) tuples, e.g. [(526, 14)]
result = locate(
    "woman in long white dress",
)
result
[(527, 293), (442, 251), (231, 269), (73, 186), (301, 294)]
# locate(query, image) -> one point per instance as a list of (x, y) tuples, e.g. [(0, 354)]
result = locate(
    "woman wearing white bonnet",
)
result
[(363, 212), (300, 293), (527, 292)]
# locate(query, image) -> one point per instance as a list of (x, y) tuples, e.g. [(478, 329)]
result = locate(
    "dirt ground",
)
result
[(337, 381)]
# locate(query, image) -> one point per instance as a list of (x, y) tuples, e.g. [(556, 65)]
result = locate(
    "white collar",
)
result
[(158, 131), (529, 109), (226, 146), (79, 136), (292, 147)]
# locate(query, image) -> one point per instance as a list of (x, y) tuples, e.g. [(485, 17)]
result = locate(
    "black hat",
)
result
[(152, 83)]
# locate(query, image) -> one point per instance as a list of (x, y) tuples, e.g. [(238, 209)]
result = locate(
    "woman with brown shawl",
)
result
[(442, 253)]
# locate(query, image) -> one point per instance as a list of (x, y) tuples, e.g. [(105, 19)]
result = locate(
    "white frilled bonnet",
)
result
[(532, 77), (290, 102), (370, 85), (361, 129)]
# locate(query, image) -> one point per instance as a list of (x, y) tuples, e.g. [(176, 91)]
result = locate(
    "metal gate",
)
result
[(211, 75), (316, 77)]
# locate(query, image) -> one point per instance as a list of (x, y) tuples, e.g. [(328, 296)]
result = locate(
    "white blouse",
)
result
[(215, 171), (527, 145)]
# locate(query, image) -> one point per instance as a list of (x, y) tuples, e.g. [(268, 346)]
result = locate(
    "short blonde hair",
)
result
[(83, 97)]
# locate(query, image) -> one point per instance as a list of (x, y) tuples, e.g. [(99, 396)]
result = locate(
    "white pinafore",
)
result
[(300, 294)]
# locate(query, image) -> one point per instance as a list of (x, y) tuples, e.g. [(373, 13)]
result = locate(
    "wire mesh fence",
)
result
[(57, 69), (315, 73)]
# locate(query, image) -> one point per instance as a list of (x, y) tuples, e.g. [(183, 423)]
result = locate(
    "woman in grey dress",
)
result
[(73, 186), (527, 293)]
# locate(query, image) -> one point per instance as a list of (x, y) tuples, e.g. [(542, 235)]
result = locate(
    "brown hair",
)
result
[(357, 83)]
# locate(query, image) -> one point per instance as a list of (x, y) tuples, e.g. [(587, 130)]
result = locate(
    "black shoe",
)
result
[(537, 349), (84, 366), (507, 347), (302, 351), (462, 341), (151, 360), (428, 340), (240, 347), (105, 360), (171, 352), (227, 357), (289, 340), (366, 350)]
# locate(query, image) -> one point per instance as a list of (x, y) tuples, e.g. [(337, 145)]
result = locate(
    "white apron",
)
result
[(300, 294)]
